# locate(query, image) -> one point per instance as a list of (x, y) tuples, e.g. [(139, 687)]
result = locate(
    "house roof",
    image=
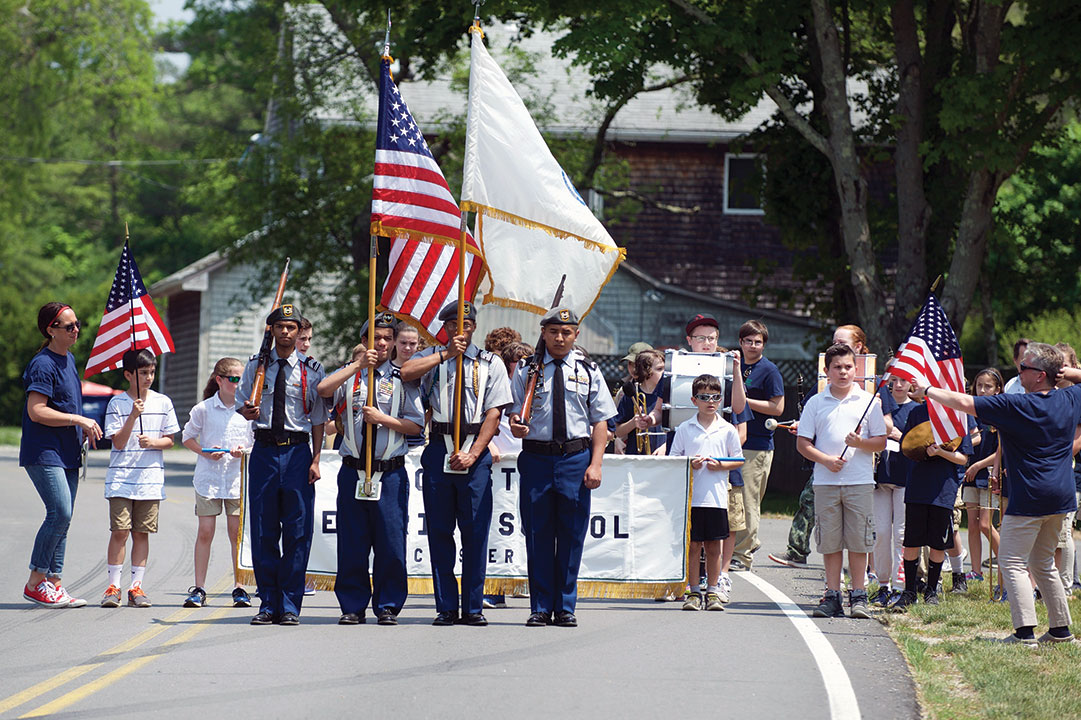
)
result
[(185, 277)]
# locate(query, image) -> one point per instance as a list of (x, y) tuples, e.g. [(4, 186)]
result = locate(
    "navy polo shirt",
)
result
[(1036, 431), (762, 381), (934, 481), (735, 477), (55, 377), (987, 447), (893, 466)]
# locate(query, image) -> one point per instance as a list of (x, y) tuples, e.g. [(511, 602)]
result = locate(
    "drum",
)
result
[(682, 368), (865, 372), (915, 442)]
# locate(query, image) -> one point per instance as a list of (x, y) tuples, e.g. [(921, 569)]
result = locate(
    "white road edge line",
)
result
[(842, 698)]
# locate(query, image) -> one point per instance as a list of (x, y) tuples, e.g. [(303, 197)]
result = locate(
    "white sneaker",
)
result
[(73, 602), (309, 588)]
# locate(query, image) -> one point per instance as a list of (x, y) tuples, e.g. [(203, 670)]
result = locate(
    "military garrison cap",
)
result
[(382, 320), (284, 313), (450, 312), (559, 316)]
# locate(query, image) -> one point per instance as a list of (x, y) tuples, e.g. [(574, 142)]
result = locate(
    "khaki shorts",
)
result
[(737, 519), (210, 507), (981, 497), (844, 518), (134, 515)]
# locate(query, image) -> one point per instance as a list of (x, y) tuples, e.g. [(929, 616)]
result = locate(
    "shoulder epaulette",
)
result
[(313, 364), (254, 357), (486, 355)]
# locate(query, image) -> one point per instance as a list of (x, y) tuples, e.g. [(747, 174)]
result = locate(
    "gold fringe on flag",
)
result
[(470, 206), (378, 228)]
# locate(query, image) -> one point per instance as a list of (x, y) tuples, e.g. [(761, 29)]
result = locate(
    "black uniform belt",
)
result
[(568, 447), (388, 465), (439, 428), (289, 437)]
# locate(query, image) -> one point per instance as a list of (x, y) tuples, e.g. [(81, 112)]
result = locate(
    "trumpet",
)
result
[(641, 436)]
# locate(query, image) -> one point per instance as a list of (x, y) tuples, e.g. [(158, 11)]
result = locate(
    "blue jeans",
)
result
[(57, 487)]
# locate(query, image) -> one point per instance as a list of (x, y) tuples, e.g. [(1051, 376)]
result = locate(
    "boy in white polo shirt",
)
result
[(141, 424), (842, 447), (704, 438)]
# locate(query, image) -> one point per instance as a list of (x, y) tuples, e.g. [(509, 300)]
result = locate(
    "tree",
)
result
[(957, 91)]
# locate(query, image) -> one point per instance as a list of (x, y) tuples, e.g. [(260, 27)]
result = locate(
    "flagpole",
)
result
[(461, 330), (371, 371), (373, 250), (131, 315)]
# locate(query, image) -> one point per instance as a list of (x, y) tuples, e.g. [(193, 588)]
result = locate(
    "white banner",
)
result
[(636, 543)]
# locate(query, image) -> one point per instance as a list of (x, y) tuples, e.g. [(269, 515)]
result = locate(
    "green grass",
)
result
[(775, 505), (10, 435), (961, 674)]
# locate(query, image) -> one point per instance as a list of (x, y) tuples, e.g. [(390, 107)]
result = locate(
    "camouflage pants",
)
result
[(803, 522)]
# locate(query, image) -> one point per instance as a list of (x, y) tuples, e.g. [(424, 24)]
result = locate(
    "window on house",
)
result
[(742, 175)]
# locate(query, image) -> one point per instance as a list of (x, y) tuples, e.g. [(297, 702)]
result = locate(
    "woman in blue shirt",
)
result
[(53, 428)]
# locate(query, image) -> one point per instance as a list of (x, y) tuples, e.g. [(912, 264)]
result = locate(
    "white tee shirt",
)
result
[(215, 424), (720, 439), (826, 421), (135, 472), (505, 442), (1013, 385)]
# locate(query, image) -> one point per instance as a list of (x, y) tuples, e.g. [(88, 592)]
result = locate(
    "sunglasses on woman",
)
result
[(230, 378), (70, 327)]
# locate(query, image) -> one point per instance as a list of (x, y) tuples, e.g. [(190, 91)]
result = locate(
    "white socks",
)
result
[(137, 572), (115, 571)]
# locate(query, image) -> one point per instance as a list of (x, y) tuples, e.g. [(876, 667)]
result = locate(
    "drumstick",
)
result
[(772, 424)]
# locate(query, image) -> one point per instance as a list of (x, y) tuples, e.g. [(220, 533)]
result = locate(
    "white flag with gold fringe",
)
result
[(532, 225)]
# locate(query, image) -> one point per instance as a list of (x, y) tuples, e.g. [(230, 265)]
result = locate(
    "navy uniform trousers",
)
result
[(554, 504), (366, 525), (281, 505), (465, 499)]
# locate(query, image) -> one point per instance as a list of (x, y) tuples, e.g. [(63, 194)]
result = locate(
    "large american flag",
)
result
[(130, 322), (931, 357), (412, 204)]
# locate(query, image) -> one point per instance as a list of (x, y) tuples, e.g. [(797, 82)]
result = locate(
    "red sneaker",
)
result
[(73, 602), (45, 595)]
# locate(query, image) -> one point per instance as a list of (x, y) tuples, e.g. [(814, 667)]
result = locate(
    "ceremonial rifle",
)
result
[(536, 363), (268, 342)]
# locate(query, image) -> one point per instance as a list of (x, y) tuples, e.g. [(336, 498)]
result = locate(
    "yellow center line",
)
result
[(69, 699), (62, 678), (45, 686), (194, 630)]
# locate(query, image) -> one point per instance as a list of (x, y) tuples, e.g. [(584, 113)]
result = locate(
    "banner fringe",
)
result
[(378, 228), (512, 219), (515, 587)]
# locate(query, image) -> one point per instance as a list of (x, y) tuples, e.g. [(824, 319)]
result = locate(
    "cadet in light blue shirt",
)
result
[(379, 525), (562, 450), (461, 495), (283, 468)]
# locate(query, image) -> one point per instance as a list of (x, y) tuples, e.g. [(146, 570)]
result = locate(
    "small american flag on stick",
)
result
[(412, 204), (130, 322), (931, 357)]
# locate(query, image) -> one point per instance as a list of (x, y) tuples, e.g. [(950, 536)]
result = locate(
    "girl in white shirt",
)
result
[(218, 435)]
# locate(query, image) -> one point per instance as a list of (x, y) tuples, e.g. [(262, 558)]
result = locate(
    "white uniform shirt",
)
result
[(720, 439), (135, 472), (826, 421), (215, 424)]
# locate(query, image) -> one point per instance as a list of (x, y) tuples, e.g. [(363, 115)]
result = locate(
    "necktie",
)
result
[(559, 403), (277, 419)]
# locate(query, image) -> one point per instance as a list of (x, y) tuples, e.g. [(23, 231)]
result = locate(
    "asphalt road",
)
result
[(628, 658)]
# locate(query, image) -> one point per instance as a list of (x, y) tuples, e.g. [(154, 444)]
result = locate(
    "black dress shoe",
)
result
[(263, 618), (476, 619), (289, 619), (351, 619), (565, 619), (387, 617), (539, 619), (446, 618)]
